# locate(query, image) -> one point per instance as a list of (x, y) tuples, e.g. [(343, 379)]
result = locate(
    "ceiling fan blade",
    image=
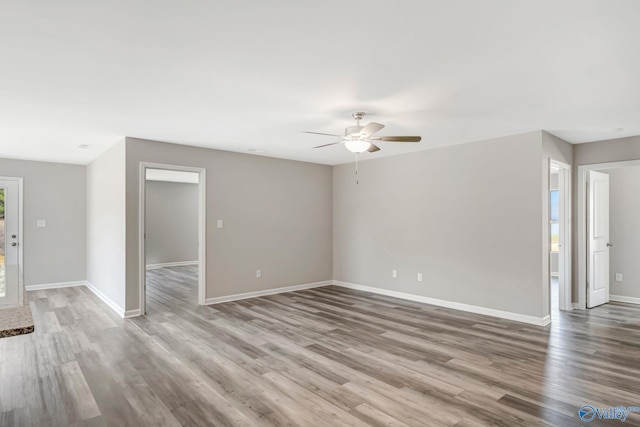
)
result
[(326, 145), (398, 138), (373, 148), (371, 128), (320, 133)]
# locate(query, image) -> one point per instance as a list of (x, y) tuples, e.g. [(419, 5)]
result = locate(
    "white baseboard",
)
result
[(105, 299), (532, 320), (132, 313), (622, 298), (29, 288), (229, 298), (171, 264), (546, 320)]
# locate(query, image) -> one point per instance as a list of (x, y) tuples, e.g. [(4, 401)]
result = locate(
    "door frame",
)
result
[(564, 253), (20, 182), (202, 237), (582, 222)]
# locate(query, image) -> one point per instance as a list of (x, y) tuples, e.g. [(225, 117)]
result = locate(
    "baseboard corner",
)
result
[(105, 299)]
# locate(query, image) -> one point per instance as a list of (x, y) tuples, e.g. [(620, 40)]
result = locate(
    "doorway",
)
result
[(607, 233), (559, 237), (11, 289), (172, 235)]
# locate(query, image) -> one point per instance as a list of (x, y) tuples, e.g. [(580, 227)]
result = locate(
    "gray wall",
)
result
[(54, 192), (276, 213), (469, 217), (172, 222), (624, 219), (106, 230), (613, 150)]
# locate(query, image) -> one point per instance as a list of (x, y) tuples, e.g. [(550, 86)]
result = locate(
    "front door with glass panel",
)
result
[(10, 288)]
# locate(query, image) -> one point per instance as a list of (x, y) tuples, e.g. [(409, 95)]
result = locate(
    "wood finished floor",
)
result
[(321, 357)]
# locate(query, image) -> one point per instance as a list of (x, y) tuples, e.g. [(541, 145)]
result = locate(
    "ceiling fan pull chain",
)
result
[(357, 177)]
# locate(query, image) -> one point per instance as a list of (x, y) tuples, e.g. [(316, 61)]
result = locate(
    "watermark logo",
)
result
[(589, 413)]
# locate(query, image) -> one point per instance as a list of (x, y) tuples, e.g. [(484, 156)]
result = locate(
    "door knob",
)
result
[(609, 244), (14, 244)]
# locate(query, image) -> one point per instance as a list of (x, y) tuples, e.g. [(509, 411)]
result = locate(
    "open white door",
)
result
[(598, 239)]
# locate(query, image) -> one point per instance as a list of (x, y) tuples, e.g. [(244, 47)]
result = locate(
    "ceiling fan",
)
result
[(359, 139)]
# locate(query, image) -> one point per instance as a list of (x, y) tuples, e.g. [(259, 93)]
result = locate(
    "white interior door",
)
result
[(598, 239), (10, 292)]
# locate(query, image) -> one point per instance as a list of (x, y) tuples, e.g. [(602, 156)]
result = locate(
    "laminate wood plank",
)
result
[(319, 357)]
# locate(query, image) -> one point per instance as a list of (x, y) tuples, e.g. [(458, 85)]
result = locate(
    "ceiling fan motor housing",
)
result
[(352, 130)]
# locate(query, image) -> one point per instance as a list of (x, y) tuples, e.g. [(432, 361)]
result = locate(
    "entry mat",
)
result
[(16, 321)]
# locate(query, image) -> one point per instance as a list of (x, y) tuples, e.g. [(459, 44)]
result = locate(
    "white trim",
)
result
[(582, 222), (228, 298), (552, 274), (575, 306), (202, 226), (565, 255), (58, 285), (622, 298), (539, 321), (132, 313), (21, 228), (171, 264), (105, 299), (20, 181)]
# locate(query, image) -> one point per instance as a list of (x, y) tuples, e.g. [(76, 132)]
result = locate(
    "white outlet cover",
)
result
[(219, 223), (394, 273), (258, 273), (419, 277), (41, 223), (618, 277)]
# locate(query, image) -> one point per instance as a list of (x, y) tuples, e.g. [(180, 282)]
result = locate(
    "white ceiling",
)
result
[(235, 75)]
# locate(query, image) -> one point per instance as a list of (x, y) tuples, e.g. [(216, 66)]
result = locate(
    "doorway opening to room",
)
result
[(11, 288), (559, 238), (609, 233), (172, 237)]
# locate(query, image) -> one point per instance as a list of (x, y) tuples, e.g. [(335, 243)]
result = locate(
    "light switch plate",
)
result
[(41, 223), (419, 277), (219, 223), (258, 273), (618, 277), (394, 273)]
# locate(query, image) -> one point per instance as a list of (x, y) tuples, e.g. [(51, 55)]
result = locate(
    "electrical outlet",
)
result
[(219, 223), (258, 273), (41, 223), (419, 277), (394, 273), (618, 277)]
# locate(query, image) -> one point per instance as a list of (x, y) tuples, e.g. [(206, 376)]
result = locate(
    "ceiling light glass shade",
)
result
[(357, 145)]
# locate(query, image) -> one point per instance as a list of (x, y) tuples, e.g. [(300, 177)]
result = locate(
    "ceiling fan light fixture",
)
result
[(357, 145)]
